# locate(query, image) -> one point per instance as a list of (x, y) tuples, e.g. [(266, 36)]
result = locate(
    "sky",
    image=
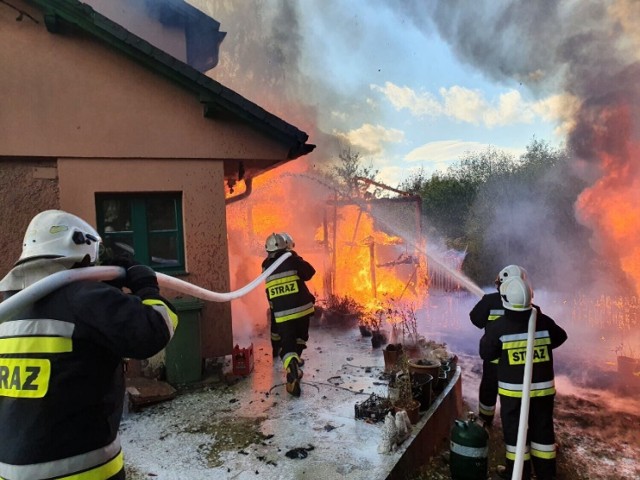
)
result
[(379, 80)]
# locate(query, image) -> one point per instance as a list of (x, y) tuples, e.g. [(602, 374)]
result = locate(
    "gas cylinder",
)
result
[(469, 450)]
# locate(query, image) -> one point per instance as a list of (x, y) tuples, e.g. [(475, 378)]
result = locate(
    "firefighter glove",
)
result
[(124, 260), (142, 281)]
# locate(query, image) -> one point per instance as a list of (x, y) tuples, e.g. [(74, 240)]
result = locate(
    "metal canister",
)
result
[(469, 451)]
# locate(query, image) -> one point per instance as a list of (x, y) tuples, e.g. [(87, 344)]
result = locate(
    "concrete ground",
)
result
[(249, 427)]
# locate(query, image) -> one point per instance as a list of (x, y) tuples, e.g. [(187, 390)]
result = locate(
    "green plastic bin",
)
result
[(183, 354)]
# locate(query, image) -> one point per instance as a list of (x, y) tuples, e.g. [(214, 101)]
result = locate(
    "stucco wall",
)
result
[(26, 188), (69, 95), (204, 218)]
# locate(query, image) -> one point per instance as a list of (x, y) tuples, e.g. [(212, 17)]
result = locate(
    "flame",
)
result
[(611, 206), (367, 267), (353, 256)]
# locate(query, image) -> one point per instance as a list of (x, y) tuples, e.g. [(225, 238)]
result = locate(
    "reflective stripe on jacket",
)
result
[(102, 463), (62, 380), (288, 295), (506, 339), (489, 308)]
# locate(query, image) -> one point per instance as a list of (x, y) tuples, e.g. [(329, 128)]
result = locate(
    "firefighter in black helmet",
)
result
[(291, 304), (61, 359), (506, 338), (488, 309)]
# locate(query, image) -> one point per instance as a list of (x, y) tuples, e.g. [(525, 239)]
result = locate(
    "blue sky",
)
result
[(394, 91), (380, 80), (419, 105)]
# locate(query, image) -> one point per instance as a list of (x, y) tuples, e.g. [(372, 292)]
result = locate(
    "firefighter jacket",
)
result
[(506, 339), (62, 378), (288, 295), (488, 309)]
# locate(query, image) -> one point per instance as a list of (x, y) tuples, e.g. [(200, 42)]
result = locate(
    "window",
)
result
[(148, 226)]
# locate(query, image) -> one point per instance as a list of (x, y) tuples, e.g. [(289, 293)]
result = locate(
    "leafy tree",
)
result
[(504, 209)]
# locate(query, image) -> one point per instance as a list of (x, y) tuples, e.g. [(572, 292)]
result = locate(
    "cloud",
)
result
[(371, 138), (401, 98), (445, 151), (561, 108), (470, 106), (393, 175)]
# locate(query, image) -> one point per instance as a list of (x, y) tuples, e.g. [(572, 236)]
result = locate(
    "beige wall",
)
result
[(26, 188), (71, 96), (205, 227)]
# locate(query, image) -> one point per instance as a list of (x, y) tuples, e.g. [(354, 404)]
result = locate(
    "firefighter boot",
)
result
[(294, 374)]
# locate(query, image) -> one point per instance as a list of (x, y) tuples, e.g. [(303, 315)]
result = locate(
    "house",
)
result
[(105, 124)]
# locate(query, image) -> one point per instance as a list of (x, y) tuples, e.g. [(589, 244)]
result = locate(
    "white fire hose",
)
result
[(14, 304)]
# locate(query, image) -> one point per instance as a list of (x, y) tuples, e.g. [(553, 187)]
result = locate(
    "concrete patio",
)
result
[(248, 427)]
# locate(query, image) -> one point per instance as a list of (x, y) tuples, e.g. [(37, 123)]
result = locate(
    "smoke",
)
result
[(587, 50)]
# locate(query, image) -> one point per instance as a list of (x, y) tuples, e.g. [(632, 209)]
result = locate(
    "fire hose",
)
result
[(17, 302)]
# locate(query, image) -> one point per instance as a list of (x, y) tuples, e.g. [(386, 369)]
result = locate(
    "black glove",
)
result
[(124, 260), (142, 281)]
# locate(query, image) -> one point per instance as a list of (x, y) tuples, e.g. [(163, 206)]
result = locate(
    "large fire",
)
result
[(353, 255), (611, 206)]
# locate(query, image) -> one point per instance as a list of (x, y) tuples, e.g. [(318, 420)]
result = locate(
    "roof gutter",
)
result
[(248, 182)]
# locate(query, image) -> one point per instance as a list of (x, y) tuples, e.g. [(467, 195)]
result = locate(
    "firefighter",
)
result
[(291, 304), (275, 336), (488, 309), (61, 359), (506, 339)]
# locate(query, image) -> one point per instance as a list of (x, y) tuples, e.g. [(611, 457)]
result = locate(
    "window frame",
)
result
[(140, 233)]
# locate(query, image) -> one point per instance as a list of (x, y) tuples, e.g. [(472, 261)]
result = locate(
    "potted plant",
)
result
[(373, 320), (392, 353), (341, 310), (405, 400)]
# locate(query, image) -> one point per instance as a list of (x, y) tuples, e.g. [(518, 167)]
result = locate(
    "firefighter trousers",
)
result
[(540, 451), (276, 340), (294, 335), (488, 392)]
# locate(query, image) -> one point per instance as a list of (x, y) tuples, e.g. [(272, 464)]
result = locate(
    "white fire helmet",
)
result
[(56, 234), (516, 294), (289, 240), (510, 271), (275, 242)]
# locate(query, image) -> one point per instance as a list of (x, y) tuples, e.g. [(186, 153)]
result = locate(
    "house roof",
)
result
[(217, 99)]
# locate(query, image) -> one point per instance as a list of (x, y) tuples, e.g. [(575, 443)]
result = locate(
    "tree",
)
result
[(505, 210), (350, 169)]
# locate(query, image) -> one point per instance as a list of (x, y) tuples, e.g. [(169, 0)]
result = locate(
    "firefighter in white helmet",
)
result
[(61, 359), (488, 309), (506, 339), (292, 306)]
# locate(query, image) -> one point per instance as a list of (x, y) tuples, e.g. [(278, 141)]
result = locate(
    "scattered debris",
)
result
[(299, 453), (374, 408)]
